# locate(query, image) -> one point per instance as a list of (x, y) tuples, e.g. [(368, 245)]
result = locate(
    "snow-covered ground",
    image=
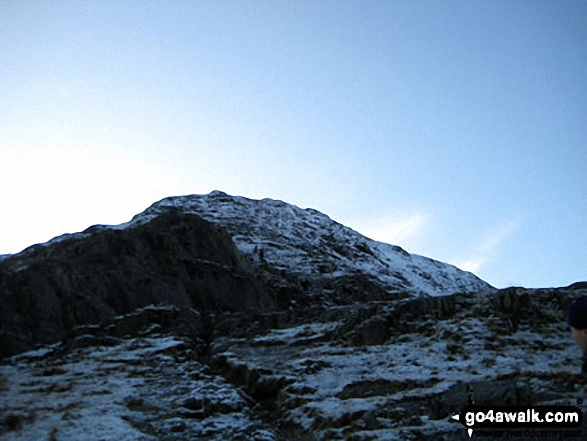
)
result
[(311, 377), (384, 392), (309, 243), (306, 380), (142, 389)]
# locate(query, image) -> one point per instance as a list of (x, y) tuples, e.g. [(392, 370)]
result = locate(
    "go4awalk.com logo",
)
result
[(514, 417)]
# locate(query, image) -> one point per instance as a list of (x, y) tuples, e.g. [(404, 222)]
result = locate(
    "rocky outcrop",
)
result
[(400, 370), (175, 259), (378, 370), (533, 307)]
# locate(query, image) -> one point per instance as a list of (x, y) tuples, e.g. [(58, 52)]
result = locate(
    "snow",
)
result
[(417, 365), (141, 387), (302, 241), (144, 387), (82, 403), (291, 334), (307, 243), (37, 353), (128, 392)]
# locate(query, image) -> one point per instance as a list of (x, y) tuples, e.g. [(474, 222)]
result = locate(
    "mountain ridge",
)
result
[(286, 224), (210, 251)]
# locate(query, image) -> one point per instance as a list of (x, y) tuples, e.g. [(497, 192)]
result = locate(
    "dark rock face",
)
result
[(210, 253), (176, 259)]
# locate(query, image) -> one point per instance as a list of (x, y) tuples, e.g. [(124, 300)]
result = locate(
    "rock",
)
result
[(175, 259), (375, 331), (313, 385)]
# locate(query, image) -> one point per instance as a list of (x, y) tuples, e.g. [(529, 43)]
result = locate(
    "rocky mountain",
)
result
[(206, 252), (329, 261), (217, 317)]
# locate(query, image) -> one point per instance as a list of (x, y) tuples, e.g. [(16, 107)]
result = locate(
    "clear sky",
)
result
[(455, 129)]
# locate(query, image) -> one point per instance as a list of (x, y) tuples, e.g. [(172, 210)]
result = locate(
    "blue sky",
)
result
[(455, 129)]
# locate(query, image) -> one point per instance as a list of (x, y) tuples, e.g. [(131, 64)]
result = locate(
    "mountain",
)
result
[(206, 252), (216, 317), (318, 251)]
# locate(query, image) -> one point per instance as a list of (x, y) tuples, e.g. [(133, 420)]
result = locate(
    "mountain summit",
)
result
[(317, 250)]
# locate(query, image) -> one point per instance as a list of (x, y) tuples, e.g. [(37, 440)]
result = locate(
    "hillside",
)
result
[(213, 252)]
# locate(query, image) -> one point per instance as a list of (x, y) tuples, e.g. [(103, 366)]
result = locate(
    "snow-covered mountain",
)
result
[(309, 246), (312, 246), (218, 317), (214, 252)]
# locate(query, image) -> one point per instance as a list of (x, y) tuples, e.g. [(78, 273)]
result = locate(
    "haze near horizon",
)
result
[(453, 129)]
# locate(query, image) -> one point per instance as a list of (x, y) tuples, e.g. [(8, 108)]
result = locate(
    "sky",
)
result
[(454, 129)]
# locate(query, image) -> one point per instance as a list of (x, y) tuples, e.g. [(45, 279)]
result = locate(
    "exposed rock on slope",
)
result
[(163, 373), (309, 257), (177, 259)]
